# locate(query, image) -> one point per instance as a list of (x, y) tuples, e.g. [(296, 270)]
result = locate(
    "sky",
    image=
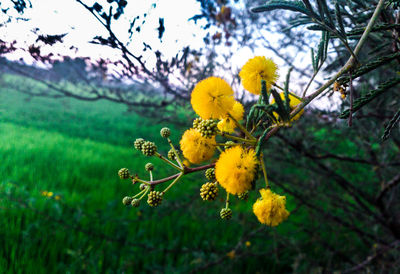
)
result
[(68, 16)]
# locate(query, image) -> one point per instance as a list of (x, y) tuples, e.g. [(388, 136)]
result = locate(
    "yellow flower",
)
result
[(197, 148), (57, 197), (226, 124), (257, 69), (50, 194), (248, 243), (270, 208), (212, 98), (186, 163), (235, 169), (294, 101), (231, 254)]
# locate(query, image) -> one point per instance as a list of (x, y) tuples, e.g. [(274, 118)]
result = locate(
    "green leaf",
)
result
[(282, 5), (314, 64), (369, 67), (317, 28), (365, 99), (339, 19), (395, 119), (264, 92), (281, 110), (286, 90), (261, 142), (327, 12)]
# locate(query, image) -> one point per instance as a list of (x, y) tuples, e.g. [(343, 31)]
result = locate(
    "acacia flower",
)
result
[(236, 168), (197, 148), (270, 208), (293, 102), (227, 124), (212, 98), (257, 69)]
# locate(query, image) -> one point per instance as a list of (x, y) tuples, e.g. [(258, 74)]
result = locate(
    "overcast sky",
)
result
[(68, 16)]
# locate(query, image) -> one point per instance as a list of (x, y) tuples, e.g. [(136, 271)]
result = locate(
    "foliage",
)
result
[(340, 179)]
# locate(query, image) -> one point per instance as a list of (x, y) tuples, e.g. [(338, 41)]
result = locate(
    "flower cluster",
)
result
[(233, 148)]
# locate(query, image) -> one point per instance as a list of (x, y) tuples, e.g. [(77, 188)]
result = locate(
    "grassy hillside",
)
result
[(74, 149)]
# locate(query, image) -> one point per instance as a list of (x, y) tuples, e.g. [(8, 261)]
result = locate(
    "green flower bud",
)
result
[(171, 154), (244, 195), (197, 122), (226, 213), (127, 200), (165, 132), (210, 174), (123, 173), (149, 166), (209, 191), (154, 198), (138, 143), (135, 202), (142, 186), (149, 148), (207, 128), (229, 144)]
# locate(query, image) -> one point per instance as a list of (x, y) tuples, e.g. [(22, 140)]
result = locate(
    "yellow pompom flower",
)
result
[(212, 98), (270, 208), (294, 101), (257, 69), (236, 168), (227, 124), (197, 148)]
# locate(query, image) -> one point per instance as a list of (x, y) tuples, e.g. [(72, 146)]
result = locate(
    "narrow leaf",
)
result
[(282, 5), (362, 101), (390, 126)]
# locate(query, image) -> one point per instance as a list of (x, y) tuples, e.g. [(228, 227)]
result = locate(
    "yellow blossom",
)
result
[(235, 169), (270, 208), (227, 124), (248, 243), (212, 98), (231, 254), (57, 197), (294, 101), (257, 69), (186, 163), (197, 148)]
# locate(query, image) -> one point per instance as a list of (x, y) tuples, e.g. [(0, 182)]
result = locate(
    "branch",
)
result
[(350, 64)]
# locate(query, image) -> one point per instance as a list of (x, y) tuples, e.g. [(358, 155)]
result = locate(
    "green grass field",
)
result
[(74, 149)]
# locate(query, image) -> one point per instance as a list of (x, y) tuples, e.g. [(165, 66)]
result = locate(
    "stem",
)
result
[(168, 161), (242, 128), (238, 138), (226, 145), (142, 181), (151, 176), (255, 127), (264, 169), (139, 193), (187, 170), (176, 180), (351, 101), (349, 64), (311, 80), (219, 149), (176, 153), (227, 200), (144, 194)]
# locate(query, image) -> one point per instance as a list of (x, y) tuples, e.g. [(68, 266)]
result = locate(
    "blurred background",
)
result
[(81, 80)]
